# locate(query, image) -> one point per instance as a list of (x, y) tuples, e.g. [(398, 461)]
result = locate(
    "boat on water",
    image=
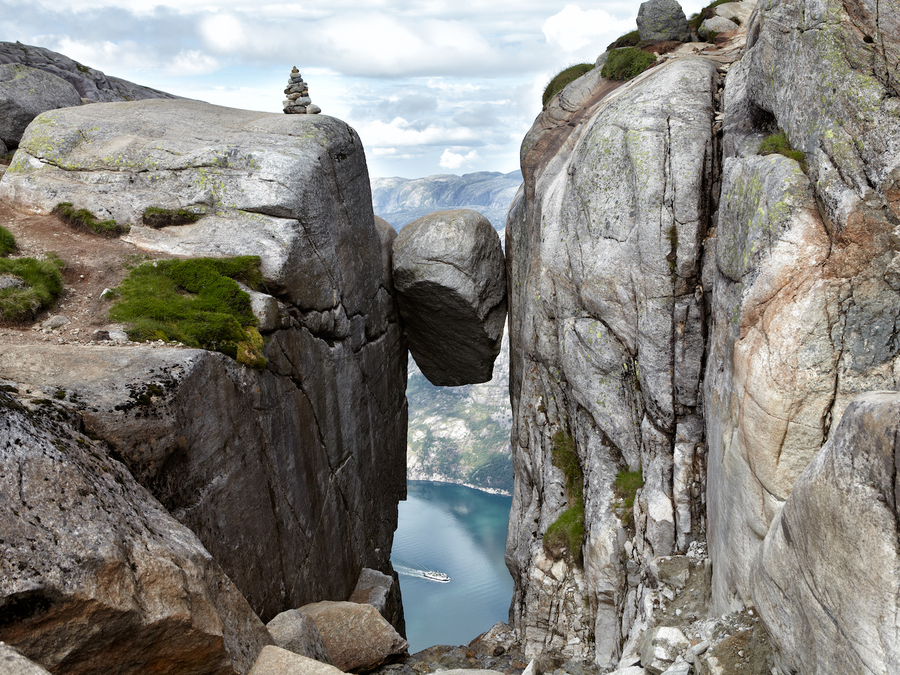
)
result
[(436, 576)]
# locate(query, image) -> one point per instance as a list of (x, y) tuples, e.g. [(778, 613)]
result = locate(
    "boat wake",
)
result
[(410, 570)]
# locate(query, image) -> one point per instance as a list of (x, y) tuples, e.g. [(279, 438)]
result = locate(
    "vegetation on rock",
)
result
[(706, 13), (628, 40), (156, 216), (7, 242), (779, 144), (567, 531), (196, 302), (39, 284), (559, 82), (84, 219), (626, 63), (625, 487)]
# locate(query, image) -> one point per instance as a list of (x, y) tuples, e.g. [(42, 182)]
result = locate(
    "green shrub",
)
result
[(196, 302), (628, 40), (155, 216), (566, 534), (778, 144), (42, 284), (559, 82), (85, 220), (7, 242), (626, 63)]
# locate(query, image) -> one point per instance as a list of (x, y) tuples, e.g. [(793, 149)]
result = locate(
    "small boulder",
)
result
[(357, 636), (295, 631), (12, 662), (450, 278), (278, 661), (27, 92), (659, 20), (715, 24), (660, 647), (54, 322)]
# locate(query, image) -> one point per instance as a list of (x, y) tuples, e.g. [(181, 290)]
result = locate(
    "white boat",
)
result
[(436, 576)]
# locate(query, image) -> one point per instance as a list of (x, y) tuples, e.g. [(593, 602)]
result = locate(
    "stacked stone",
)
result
[(298, 101)]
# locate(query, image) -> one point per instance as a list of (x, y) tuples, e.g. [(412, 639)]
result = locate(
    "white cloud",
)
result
[(452, 160), (224, 33), (192, 62), (574, 28)]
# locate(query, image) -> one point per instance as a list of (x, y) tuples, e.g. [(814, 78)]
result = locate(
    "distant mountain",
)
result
[(400, 200)]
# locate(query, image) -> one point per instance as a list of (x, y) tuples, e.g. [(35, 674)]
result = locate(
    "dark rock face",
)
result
[(24, 94), (94, 574), (660, 20), (826, 579), (450, 280)]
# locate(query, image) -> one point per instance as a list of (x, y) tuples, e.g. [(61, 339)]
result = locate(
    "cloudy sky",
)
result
[(432, 86)]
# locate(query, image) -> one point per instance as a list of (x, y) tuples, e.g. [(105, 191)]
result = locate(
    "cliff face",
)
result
[(289, 475), (672, 290)]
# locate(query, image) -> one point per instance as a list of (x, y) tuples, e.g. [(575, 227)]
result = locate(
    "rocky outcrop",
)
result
[(659, 20), (296, 632), (606, 327), (449, 276), (826, 578), (90, 83), (803, 308), (357, 636), (290, 476), (24, 94), (94, 573)]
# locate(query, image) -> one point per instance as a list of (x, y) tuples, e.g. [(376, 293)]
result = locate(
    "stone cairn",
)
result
[(298, 101)]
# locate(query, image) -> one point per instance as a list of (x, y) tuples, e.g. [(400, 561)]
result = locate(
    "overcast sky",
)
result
[(432, 86)]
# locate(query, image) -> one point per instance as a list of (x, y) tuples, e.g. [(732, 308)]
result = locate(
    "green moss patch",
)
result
[(625, 487), (566, 534), (778, 144), (155, 216), (7, 242), (196, 302), (628, 40), (85, 220), (626, 63), (38, 284), (559, 82)]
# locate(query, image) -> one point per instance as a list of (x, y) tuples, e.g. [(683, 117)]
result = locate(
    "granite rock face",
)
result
[(24, 94), (606, 321), (826, 580), (289, 476), (295, 631), (659, 20), (450, 280), (94, 573), (803, 306)]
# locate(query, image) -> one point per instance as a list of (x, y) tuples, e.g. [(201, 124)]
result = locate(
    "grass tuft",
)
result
[(196, 302), (41, 284), (628, 40), (7, 242), (156, 217), (625, 487), (566, 534), (626, 63), (559, 82), (85, 220), (778, 144)]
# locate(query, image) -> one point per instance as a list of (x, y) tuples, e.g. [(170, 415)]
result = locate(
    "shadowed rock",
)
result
[(450, 279), (24, 94)]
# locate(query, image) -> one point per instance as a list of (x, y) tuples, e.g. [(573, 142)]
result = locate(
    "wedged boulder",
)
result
[(450, 279), (295, 631), (659, 20), (278, 661), (24, 94), (12, 662), (379, 590), (357, 636), (94, 574), (826, 581)]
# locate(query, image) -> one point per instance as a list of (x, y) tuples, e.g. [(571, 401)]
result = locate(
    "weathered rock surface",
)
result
[(94, 574), (90, 83), (379, 590), (450, 280), (24, 94), (278, 661), (296, 632), (826, 580), (290, 476), (715, 24), (660, 647), (802, 304), (357, 636), (603, 249), (659, 20), (13, 663)]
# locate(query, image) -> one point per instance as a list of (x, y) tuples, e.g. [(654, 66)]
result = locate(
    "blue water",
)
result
[(461, 532)]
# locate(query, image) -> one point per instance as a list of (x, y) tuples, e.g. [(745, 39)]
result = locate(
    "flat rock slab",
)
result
[(278, 661), (357, 636), (450, 278), (27, 92)]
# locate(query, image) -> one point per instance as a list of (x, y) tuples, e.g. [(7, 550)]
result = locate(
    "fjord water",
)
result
[(461, 532)]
